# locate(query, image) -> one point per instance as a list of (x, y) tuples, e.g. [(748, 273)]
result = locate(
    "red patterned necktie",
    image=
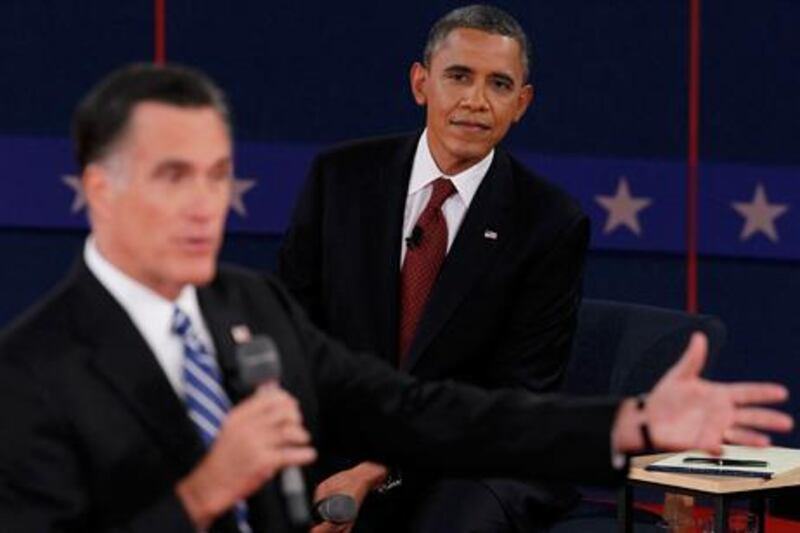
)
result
[(424, 256)]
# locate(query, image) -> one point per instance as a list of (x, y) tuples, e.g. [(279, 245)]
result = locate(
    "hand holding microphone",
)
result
[(260, 437), (338, 509), (340, 496), (260, 369)]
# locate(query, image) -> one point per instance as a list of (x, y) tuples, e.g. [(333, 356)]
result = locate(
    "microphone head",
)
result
[(336, 509), (258, 361)]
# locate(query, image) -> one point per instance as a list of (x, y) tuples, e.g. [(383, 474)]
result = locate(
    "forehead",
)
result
[(479, 50), (157, 129)]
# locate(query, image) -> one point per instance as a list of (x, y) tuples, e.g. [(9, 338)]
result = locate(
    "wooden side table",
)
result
[(722, 490)]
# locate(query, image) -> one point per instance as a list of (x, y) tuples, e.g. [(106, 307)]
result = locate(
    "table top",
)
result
[(704, 483)]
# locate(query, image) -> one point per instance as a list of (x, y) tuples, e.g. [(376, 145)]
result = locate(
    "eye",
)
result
[(502, 85), (457, 76), (173, 174), (177, 177), (221, 172), (221, 176)]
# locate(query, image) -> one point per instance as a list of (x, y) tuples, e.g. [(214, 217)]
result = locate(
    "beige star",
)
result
[(623, 209), (239, 188), (79, 201), (759, 215)]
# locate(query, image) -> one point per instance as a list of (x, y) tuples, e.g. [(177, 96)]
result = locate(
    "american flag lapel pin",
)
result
[(241, 334), (490, 234)]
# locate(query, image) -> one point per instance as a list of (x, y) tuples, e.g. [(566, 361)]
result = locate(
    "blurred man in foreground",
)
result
[(121, 410)]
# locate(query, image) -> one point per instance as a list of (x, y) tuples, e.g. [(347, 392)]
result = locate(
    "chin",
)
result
[(470, 149), (201, 274)]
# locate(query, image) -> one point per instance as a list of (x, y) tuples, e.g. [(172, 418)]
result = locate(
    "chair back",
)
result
[(623, 349)]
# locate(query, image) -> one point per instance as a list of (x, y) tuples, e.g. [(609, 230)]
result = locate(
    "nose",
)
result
[(208, 199), (474, 97)]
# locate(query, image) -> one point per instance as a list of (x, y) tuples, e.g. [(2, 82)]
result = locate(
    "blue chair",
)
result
[(623, 349)]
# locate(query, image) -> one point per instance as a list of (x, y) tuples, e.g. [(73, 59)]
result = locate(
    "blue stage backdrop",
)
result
[(636, 204), (609, 124)]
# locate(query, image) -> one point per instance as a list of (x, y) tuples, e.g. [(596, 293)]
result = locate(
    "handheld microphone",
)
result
[(336, 509), (259, 362), (415, 239)]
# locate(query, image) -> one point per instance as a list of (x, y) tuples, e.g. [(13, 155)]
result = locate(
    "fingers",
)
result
[(765, 419), (746, 437), (266, 432), (693, 359), (271, 410), (756, 393), (297, 456), (327, 527), (274, 417)]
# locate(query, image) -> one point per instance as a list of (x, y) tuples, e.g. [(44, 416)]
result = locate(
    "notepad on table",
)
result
[(777, 461)]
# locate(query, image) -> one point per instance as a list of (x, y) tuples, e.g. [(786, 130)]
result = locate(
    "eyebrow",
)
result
[(461, 69), (226, 161), (180, 164), (170, 164)]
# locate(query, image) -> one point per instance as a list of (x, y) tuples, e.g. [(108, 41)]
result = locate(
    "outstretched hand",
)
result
[(685, 411)]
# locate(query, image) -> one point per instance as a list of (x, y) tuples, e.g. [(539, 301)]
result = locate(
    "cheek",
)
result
[(151, 227), (504, 117)]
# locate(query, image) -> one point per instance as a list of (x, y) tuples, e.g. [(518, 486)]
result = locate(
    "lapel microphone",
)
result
[(415, 239), (259, 362)]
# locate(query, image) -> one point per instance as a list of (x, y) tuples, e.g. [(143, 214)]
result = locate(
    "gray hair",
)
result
[(481, 17)]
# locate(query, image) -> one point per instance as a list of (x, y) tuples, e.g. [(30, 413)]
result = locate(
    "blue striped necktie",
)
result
[(206, 401)]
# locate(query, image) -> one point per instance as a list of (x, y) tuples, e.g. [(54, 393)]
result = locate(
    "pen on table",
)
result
[(718, 461)]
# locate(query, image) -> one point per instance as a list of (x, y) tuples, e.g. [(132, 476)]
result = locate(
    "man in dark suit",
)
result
[(121, 404), (502, 310)]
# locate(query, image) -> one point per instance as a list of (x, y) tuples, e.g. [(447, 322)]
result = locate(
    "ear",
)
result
[(525, 99), (419, 77), (98, 190)]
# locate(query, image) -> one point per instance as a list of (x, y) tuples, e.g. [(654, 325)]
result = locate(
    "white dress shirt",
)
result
[(424, 172), (151, 313)]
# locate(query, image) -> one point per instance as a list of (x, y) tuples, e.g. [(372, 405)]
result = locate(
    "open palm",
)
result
[(685, 411)]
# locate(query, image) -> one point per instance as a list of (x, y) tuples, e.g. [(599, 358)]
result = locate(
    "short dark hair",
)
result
[(103, 115), (481, 17)]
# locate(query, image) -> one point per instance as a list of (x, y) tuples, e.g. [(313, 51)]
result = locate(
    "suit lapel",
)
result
[(479, 238), (381, 240), (123, 359), (221, 319)]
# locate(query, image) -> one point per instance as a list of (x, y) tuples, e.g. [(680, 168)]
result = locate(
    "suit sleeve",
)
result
[(381, 414), (536, 341), (42, 486)]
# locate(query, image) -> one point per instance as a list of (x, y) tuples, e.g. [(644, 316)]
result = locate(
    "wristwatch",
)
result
[(393, 480), (644, 428)]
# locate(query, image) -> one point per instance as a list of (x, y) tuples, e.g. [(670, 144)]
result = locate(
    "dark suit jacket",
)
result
[(94, 438), (502, 312)]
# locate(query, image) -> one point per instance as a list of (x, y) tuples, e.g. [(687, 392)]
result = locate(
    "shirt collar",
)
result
[(424, 171), (150, 311)]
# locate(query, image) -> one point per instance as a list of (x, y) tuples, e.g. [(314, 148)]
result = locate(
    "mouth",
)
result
[(198, 245), (475, 126)]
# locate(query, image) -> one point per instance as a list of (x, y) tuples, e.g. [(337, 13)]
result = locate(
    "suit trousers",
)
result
[(449, 505)]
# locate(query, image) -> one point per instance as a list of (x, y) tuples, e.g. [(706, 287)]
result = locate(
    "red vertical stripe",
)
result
[(160, 40), (693, 158)]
